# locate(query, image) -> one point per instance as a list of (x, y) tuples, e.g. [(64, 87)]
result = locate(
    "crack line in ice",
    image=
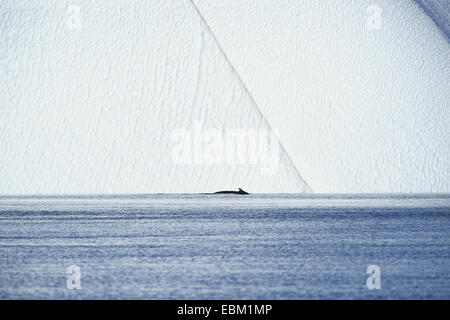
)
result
[(209, 30), (195, 97)]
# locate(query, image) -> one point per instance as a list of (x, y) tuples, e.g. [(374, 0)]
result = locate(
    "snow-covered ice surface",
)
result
[(93, 109), (98, 109), (225, 247), (363, 110)]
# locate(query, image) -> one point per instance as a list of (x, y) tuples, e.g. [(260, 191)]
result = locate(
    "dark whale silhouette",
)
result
[(231, 192)]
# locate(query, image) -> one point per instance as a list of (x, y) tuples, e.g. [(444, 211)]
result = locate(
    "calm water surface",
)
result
[(225, 246)]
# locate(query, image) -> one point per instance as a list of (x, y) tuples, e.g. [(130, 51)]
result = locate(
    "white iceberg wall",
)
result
[(360, 109), (439, 12), (95, 109)]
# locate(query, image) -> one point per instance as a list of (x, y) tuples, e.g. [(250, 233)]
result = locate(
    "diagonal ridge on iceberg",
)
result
[(95, 109)]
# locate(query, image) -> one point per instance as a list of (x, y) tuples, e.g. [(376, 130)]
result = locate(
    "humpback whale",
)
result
[(232, 192)]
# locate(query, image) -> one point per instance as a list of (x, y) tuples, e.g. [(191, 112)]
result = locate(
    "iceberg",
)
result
[(95, 97)]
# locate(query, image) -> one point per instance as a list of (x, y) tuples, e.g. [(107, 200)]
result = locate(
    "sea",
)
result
[(185, 246)]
